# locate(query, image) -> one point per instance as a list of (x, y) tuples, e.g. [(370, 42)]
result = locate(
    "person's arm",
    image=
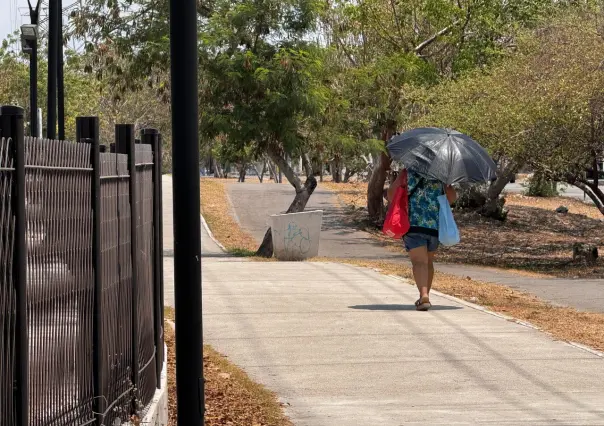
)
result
[(451, 194), (395, 185)]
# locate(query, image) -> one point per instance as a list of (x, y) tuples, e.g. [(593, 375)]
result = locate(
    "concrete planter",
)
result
[(296, 235)]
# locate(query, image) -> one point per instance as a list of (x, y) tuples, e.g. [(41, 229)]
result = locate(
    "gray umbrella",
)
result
[(442, 154)]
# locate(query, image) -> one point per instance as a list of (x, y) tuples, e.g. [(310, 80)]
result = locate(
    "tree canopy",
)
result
[(541, 106)]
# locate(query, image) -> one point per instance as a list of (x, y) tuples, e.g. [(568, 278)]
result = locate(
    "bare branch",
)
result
[(307, 165), (278, 158), (420, 47), (596, 195), (345, 50), (396, 19)]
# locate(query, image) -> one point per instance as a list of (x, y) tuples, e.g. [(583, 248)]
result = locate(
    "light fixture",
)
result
[(29, 31), (26, 46)]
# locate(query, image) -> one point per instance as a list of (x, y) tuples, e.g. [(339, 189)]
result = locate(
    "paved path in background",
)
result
[(254, 203), (343, 346), (568, 191)]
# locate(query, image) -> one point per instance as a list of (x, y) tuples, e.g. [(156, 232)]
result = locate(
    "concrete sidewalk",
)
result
[(343, 346), (209, 249)]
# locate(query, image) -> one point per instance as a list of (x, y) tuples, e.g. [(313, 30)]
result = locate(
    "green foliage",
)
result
[(542, 105), (258, 84), (539, 186), (127, 42), (81, 94), (84, 96)]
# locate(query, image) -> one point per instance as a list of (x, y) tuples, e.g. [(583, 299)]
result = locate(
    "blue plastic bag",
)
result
[(448, 234)]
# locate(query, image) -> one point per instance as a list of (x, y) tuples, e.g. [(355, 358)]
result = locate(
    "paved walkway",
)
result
[(254, 203), (209, 249), (343, 346)]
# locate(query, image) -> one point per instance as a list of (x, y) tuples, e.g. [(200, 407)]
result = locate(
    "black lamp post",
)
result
[(53, 49), (187, 226), (60, 76), (29, 45)]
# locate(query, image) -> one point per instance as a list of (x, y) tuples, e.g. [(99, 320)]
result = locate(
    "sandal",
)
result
[(423, 304)]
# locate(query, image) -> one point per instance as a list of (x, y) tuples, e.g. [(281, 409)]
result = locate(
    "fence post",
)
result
[(11, 125), (161, 222), (125, 144), (87, 131), (151, 137)]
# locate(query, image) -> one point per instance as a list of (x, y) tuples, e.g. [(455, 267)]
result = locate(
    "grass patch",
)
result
[(215, 207), (231, 397), (241, 252)]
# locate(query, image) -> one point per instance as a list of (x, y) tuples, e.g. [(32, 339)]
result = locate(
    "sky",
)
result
[(13, 13), (11, 18)]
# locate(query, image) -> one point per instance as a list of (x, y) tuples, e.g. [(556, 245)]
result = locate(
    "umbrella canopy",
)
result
[(443, 154)]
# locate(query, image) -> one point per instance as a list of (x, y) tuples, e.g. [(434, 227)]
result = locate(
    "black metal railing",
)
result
[(81, 303)]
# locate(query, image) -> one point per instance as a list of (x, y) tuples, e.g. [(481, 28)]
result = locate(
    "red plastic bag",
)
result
[(397, 223)]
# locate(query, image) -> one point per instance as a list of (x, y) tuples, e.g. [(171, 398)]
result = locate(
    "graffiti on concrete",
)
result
[(296, 239), (296, 236)]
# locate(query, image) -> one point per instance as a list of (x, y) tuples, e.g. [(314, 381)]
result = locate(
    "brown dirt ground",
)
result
[(231, 397), (534, 238)]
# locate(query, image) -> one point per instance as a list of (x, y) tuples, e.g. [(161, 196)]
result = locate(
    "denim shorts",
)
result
[(415, 240)]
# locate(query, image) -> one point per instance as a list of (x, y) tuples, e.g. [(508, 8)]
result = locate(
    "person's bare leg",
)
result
[(430, 270), (421, 271)]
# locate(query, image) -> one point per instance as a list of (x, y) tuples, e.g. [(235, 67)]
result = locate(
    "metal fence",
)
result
[(81, 291)]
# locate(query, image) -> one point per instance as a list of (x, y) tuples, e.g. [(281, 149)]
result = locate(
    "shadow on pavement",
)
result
[(401, 308)]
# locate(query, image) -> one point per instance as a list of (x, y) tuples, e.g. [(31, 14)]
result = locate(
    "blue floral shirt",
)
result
[(423, 203)]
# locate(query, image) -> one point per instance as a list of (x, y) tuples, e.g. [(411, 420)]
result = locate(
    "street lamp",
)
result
[(29, 45), (25, 46), (29, 31)]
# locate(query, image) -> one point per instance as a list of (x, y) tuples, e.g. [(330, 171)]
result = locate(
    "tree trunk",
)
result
[(349, 174), (218, 173), (261, 176), (336, 172), (272, 172), (303, 193), (242, 173), (375, 188), (594, 193), (306, 165), (595, 166), (493, 206)]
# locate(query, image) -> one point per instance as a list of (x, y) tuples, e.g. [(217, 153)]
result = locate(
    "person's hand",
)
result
[(400, 180)]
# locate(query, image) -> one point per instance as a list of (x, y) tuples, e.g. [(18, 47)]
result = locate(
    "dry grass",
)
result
[(535, 239), (231, 397), (350, 194), (217, 213), (562, 323), (576, 207)]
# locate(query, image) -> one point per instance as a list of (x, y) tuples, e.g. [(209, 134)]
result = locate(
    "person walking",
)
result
[(421, 242)]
